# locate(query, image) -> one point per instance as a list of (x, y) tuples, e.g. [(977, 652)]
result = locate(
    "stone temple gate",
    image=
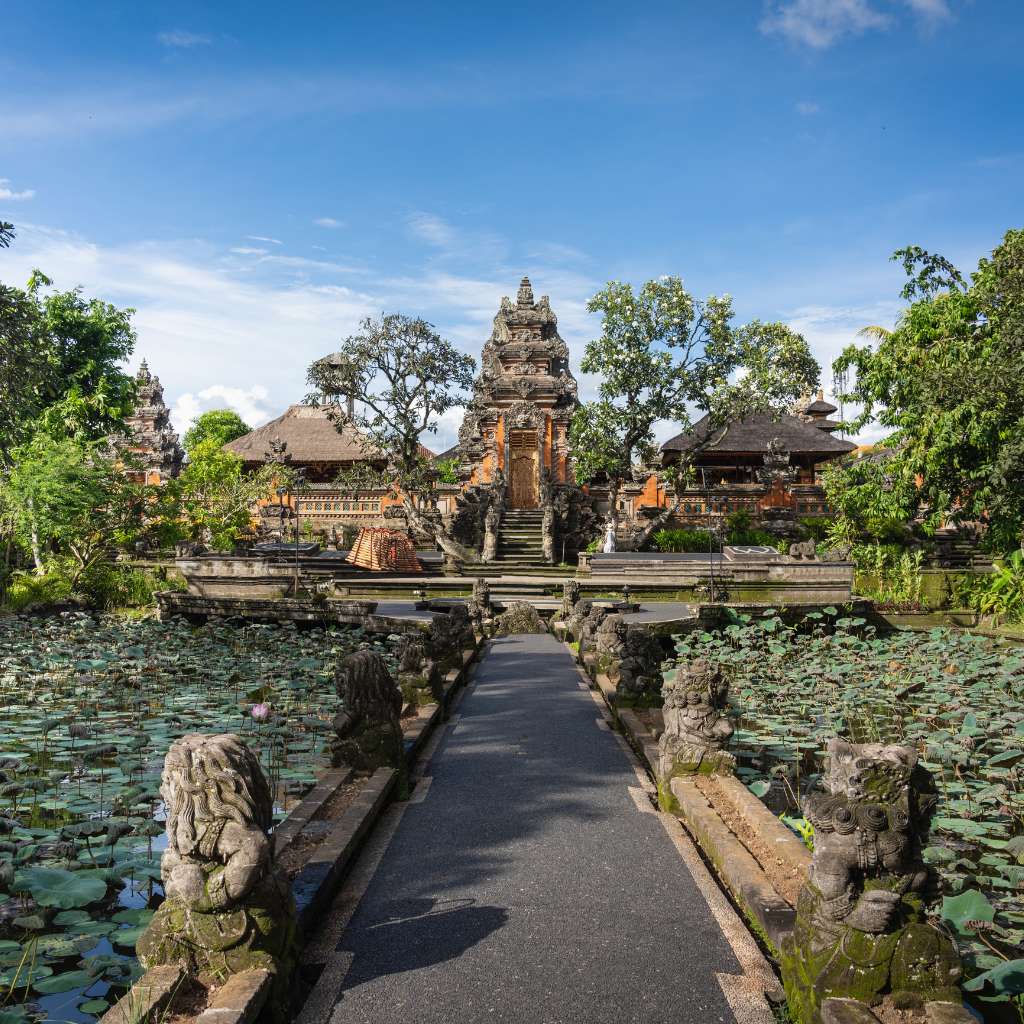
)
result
[(517, 423), (519, 500)]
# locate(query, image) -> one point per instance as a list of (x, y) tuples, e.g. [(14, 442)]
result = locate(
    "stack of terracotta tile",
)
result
[(381, 550)]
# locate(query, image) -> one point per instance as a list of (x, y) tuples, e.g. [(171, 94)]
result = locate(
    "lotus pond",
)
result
[(90, 707), (958, 698)]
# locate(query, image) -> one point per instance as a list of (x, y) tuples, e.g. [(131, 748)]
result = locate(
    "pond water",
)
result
[(90, 708), (956, 697)]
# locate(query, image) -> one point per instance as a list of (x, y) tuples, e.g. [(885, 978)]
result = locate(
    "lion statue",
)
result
[(227, 909)]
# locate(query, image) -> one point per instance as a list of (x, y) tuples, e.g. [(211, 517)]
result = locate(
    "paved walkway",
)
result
[(533, 883)]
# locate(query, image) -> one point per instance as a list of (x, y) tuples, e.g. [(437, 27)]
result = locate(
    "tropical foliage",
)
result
[(661, 353), (948, 382), (91, 706), (220, 425), (403, 376)]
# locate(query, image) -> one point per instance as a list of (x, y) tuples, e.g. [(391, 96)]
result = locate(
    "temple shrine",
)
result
[(152, 446), (516, 426)]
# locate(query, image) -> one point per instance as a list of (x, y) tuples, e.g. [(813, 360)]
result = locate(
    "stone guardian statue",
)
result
[(227, 909), (861, 929)]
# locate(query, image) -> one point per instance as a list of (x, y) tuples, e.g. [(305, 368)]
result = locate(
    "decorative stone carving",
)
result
[(578, 615), (636, 667), (519, 617), (697, 729), (450, 635), (804, 549), (368, 728), (570, 595), (419, 677), (227, 909), (481, 611), (492, 522), (596, 614), (861, 930), (152, 444), (777, 465)]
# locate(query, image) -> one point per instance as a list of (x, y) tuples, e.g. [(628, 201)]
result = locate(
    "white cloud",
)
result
[(432, 229), (249, 403), (264, 238), (807, 109), (179, 39), (9, 195), (328, 222), (245, 250), (820, 23)]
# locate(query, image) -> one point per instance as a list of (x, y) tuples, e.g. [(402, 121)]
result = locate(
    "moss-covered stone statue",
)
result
[(570, 595), (861, 930), (574, 622), (519, 617), (589, 625), (450, 635), (419, 676), (697, 727), (369, 733), (227, 908), (481, 611), (630, 657)]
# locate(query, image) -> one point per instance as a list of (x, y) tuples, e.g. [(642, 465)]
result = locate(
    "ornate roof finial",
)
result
[(144, 374), (525, 297)]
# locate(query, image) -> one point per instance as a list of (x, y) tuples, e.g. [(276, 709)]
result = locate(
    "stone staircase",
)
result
[(519, 537)]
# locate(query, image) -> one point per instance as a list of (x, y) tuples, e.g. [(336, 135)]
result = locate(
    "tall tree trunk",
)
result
[(37, 555), (659, 520), (427, 524)]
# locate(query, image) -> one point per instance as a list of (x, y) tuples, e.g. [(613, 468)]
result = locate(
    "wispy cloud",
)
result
[(9, 195), (264, 238), (820, 24), (328, 222), (245, 250), (806, 108), (181, 40), (432, 229)]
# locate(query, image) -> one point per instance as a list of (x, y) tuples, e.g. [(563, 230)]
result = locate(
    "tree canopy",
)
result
[(220, 425), (662, 352), (948, 382), (403, 376)]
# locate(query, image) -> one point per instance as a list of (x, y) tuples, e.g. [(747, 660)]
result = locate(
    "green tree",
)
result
[(948, 383), (67, 503), (223, 425), (403, 375), (662, 352), (6, 234), (213, 497)]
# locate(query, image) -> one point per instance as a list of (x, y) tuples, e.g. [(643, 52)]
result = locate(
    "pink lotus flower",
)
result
[(260, 712)]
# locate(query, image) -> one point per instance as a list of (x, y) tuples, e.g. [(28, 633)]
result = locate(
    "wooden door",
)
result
[(523, 481)]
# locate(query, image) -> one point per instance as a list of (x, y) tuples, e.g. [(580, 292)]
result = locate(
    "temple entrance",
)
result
[(523, 477)]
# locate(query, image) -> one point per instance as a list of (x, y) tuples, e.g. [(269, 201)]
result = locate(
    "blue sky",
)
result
[(254, 178)]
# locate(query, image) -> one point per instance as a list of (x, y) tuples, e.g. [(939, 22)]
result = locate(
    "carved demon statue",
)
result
[(227, 909), (861, 930), (697, 729), (368, 728), (480, 609), (450, 635), (631, 658)]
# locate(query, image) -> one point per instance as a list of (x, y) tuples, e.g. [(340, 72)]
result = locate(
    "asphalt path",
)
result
[(533, 883)]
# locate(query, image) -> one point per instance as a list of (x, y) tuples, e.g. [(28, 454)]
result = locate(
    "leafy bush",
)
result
[(685, 540), (815, 528), (1000, 593), (27, 590), (889, 575)]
